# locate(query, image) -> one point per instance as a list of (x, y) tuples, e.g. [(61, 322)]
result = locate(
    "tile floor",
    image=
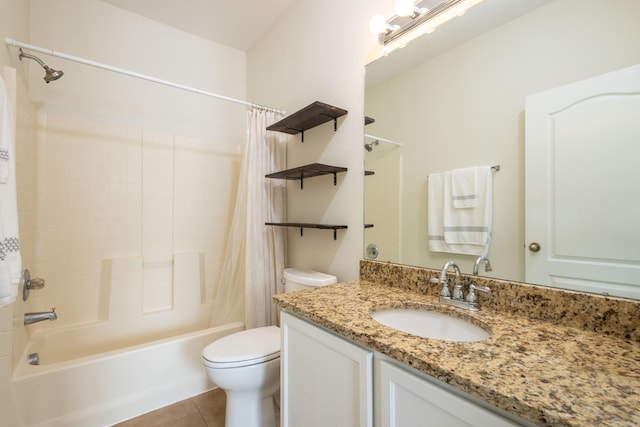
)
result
[(203, 410)]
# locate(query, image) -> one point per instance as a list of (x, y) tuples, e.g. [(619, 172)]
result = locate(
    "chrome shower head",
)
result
[(50, 73), (369, 147)]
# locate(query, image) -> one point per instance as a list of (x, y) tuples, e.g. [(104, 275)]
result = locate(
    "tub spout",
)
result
[(30, 318)]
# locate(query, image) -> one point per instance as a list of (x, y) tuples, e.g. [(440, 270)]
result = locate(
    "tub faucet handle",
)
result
[(28, 283)]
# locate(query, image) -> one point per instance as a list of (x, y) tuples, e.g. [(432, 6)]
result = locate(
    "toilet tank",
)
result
[(296, 280)]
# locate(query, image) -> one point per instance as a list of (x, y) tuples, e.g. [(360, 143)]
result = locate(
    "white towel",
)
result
[(464, 189), (10, 261), (6, 132), (435, 212), (435, 218), (471, 226)]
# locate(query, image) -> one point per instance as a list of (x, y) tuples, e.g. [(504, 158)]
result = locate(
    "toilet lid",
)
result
[(244, 348)]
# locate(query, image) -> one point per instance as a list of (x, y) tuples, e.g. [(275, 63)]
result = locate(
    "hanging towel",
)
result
[(464, 189), (10, 261), (471, 226), (435, 212), (6, 133), (437, 184)]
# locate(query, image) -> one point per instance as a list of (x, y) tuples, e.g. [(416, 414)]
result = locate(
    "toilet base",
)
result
[(249, 410)]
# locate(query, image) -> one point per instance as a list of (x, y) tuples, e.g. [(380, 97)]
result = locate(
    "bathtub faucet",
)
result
[(30, 318)]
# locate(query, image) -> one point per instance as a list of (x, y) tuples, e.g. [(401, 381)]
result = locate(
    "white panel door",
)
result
[(582, 174), (325, 380)]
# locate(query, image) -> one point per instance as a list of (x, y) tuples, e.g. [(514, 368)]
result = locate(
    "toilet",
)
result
[(246, 365)]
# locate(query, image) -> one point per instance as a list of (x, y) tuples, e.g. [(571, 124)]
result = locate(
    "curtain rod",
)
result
[(11, 42)]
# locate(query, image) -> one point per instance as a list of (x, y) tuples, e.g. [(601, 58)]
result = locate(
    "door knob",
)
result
[(534, 247)]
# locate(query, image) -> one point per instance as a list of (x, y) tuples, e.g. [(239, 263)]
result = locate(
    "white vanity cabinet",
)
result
[(325, 380), (329, 381), (404, 399)]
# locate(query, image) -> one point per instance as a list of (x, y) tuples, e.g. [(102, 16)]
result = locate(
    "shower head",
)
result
[(369, 147), (50, 73)]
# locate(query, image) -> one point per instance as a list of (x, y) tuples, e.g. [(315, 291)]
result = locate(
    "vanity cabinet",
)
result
[(325, 380), (404, 399), (329, 381)]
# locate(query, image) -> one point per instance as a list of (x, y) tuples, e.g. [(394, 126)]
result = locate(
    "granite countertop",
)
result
[(545, 373)]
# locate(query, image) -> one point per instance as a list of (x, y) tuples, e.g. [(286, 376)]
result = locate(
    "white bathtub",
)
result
[(109, 387)]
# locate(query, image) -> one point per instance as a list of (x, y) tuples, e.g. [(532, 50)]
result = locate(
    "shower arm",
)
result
[(35, 58)]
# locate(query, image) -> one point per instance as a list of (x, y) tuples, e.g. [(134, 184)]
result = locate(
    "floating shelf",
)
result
[(309, 117), (302, 226), (308, 171)]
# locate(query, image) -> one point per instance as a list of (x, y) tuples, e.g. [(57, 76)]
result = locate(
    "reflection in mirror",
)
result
[(456, 98)]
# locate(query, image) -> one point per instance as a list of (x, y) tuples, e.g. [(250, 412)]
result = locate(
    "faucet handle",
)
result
[(457, 291), (471, 296), (484, 289), (444, 292)]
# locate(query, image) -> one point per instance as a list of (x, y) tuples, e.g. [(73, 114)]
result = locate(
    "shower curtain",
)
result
[(255, 254)]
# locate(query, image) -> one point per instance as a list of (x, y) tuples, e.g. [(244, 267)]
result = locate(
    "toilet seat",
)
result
[(244, 348)]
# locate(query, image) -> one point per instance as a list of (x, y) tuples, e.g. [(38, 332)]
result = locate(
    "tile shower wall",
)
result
[(119, 208), (383, 193)]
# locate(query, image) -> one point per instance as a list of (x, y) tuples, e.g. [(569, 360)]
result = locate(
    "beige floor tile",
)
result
[(181, 414), (212, 407)]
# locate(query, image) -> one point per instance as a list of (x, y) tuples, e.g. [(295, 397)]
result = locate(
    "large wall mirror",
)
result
[(456, 98)]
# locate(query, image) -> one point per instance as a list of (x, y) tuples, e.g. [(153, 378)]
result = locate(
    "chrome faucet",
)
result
[(30, 318), (457, 287), (480, 260), (457, 299)]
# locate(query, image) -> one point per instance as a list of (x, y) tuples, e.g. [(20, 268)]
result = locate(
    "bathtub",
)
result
[(98, 389)]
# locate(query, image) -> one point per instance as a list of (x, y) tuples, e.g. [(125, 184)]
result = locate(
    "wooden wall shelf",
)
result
[(302, 225), (309, 117), (308, 171)]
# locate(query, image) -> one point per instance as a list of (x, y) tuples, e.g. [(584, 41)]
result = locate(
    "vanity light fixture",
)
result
[(411, 21)]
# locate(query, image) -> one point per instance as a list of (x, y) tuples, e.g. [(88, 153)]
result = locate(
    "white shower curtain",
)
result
[(255, 253)]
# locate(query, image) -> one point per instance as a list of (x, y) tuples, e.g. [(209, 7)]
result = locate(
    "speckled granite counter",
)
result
[(546, 373)]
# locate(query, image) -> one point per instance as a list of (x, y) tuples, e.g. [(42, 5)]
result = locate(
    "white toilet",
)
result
[(246, 365)]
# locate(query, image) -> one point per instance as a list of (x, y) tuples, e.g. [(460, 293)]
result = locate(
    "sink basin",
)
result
[(430, 324)]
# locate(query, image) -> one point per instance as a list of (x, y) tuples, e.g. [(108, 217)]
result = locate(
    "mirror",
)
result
[(456, 98)]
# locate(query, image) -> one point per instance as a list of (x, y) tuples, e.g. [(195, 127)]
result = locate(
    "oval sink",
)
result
[(430, 324)]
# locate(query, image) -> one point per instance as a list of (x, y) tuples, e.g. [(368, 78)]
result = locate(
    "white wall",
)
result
[(317, 51), (465, 107), (103, 33)]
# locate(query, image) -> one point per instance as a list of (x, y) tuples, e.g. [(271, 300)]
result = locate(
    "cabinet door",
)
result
[(325, 380), (406, 400)]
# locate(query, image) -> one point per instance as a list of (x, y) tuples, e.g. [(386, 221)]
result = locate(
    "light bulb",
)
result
[(405, 7), (378, 24)]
